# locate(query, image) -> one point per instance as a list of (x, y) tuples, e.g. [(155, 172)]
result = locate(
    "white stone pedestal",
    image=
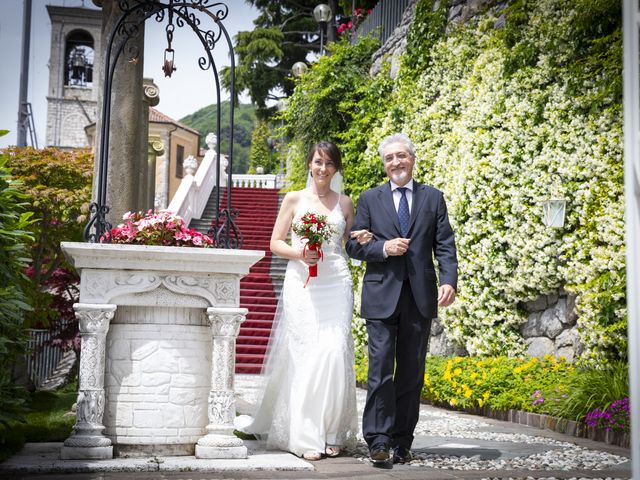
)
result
[(220, 442), (87, 440), (158, 328)]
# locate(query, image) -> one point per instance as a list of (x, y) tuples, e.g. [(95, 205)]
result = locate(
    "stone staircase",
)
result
[(260, 289)]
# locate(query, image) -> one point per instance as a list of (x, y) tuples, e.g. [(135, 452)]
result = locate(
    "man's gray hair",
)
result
[(397, 138)]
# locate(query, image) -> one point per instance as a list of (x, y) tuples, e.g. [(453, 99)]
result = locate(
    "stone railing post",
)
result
[(87, 440), (220, 442)]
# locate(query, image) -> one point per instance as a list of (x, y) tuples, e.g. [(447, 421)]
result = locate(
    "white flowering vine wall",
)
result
[(515, 106)]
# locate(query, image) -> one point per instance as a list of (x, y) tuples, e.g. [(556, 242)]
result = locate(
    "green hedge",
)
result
[(14, 258)]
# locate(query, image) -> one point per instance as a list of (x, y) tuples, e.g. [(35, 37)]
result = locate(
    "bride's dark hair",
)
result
[(328, 149)]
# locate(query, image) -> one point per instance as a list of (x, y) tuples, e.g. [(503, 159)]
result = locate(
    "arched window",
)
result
[(78, 56)]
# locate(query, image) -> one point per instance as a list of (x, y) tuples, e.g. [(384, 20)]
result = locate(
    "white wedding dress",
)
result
[(308, 399)]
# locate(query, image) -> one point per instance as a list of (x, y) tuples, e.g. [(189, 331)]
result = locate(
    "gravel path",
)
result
[(449, 440)]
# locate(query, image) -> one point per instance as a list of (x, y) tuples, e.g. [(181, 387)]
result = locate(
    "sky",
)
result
[(188, 89)]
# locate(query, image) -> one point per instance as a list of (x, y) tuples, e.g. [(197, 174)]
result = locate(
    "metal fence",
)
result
[(44, 357), (382, 20)]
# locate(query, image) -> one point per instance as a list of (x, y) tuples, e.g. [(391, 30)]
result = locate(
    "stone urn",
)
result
[(158, 328)]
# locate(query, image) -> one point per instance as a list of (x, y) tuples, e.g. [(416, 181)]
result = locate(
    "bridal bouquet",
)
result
[(315, 229), (162, 228)]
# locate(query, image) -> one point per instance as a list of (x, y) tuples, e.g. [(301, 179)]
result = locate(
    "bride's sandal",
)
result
[(312, 455), (332, 452)]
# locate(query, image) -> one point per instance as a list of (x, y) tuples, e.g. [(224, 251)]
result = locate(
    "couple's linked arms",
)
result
[(364, 246)]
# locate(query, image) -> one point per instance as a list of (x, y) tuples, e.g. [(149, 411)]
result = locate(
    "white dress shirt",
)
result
[(397, 195), (396, 201)]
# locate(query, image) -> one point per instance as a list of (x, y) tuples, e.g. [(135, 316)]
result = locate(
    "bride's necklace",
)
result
[(320, 196)]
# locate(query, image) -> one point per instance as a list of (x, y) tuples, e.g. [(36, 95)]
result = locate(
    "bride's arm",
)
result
[(279, 245), (349, 214)]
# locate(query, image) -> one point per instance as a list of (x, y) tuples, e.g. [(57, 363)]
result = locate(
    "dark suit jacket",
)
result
[(431, 235)]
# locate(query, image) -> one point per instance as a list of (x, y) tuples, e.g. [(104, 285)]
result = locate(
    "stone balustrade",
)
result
[(257, 180)]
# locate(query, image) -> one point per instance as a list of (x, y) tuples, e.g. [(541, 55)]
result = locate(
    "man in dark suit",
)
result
[(398, 230)]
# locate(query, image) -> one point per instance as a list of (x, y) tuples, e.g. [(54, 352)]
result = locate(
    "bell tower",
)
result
[(74, 83)]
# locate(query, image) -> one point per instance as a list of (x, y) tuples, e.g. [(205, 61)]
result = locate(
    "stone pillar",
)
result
[(147, 174), (155, 150), (124, 130), (162, 164), (220, 442), (87, 440)]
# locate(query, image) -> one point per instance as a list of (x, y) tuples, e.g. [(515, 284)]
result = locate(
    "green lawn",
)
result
[(44, 420)]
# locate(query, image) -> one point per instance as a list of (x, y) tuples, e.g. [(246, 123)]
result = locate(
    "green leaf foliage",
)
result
[(511, 107), (57, 185), (326, 101), (546, 385), (15, 241), (46, 419), (285, 32), (263, 149)]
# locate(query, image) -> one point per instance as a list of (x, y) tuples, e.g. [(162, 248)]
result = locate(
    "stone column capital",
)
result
[(156, 147), (94, 318), (225, 322), (151, 92)]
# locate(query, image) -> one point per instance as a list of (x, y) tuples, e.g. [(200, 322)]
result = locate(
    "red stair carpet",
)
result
[(258, 211)]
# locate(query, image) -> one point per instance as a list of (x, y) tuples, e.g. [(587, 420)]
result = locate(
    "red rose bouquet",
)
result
[(315, 229)]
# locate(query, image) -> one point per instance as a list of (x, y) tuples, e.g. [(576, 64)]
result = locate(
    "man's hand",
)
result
[(397, 246), (446, 295)]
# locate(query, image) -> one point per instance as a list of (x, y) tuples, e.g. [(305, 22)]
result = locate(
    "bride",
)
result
[(308, 401)]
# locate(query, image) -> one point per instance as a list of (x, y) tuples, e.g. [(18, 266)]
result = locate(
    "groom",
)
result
[(400, 296)]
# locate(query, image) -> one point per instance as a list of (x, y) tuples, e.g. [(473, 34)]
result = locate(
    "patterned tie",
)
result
[(403, 211)]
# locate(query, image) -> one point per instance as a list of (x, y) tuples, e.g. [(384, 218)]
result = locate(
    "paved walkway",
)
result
[(448, 445)]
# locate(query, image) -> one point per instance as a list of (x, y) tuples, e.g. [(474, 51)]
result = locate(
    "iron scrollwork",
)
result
[(97, 222), (128, 26), (225, 232)]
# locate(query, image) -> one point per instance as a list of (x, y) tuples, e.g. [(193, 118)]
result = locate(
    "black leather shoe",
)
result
[(379, 453), (402, 455)]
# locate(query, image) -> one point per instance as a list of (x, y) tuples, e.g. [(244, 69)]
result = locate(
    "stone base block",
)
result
[(86, 453), (160, 450), (221, 452)]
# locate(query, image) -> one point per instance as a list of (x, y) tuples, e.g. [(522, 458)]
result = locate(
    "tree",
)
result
[(285, 33), (262, 147), (57, 185)]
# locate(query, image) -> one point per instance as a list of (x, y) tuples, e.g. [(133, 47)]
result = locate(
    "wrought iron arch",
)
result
[(178, 13)]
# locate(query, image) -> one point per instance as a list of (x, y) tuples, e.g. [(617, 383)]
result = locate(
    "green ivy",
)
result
[(502, 117), (326, 101)]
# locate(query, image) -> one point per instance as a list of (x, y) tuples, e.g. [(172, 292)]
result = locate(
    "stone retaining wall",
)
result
[(555, 424), (551, 326)]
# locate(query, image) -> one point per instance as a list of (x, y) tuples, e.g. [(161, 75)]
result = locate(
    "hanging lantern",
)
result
[(553, 212)]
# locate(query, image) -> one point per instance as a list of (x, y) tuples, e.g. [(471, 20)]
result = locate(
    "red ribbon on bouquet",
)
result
[(313, 269)]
